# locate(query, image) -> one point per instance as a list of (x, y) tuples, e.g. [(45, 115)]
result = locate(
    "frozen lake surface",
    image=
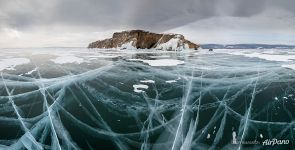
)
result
[(75, 98)]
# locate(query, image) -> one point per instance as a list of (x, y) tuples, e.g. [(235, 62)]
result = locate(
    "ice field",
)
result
[(76, 98)]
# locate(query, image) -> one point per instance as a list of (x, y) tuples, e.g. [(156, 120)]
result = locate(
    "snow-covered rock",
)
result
[(139, 39), (175, 43)]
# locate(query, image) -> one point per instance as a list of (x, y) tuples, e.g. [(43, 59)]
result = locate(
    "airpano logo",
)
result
[(266, 142), (275, 141)]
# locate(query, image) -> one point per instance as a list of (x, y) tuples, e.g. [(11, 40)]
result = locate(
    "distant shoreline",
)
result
[(247, 46), (204, 46)]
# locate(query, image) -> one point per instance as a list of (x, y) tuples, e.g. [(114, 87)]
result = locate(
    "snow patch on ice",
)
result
[(30, 72), (147, 81), (173, 81), (271, 57), (234, 135), (68, 59), (208, 136), (103, 56), (10, 63), (266, 55), (161, 56), (292, 66), (137, 88), (160, 62)]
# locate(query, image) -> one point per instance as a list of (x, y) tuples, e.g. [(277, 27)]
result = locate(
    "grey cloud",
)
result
[(249, 7), (286, 4), (150, 14), (161, 15), (103, 16)]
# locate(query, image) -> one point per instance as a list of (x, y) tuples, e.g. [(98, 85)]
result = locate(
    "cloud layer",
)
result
[(35, 23)]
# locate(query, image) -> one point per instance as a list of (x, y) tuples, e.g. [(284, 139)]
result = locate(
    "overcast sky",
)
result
[(75, 23)]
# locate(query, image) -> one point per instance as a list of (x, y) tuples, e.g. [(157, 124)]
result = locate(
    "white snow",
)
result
[(292, 66), (261, 136), (271, 57), (173, 44), (128, 46), (160, 56), (208, 136), (234, 134), (103, 56), (137, 87), (68, 59), (160, 62), (147, 81), (10, 63), (266, 55), (30, 72), (171, 81)]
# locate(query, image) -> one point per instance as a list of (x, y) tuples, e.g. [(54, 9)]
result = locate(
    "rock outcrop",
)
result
[(139, 39)]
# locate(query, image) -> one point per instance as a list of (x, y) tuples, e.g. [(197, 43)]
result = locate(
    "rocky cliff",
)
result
[(139, 39)]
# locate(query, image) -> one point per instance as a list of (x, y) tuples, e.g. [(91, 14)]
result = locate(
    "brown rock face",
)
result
[(140, 39)]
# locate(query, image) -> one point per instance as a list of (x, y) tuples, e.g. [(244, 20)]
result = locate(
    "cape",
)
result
[(139, 39)]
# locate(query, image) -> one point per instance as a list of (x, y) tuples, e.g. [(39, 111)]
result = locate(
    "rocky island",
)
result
[(139, 39)]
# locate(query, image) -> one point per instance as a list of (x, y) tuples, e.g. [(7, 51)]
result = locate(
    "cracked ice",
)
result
[(208, 101)]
